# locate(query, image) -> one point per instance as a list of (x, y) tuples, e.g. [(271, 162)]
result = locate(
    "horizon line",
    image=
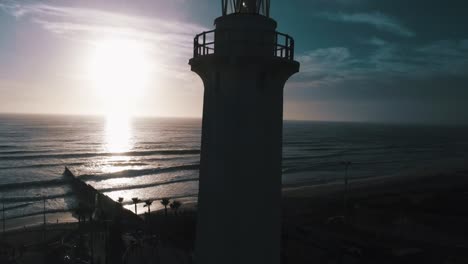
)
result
[(287, 120)]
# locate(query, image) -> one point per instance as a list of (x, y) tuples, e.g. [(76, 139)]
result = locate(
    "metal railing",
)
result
[(284, 46), (204, 44)]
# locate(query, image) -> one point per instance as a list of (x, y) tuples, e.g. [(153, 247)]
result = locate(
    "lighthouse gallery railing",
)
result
[(204, 44)]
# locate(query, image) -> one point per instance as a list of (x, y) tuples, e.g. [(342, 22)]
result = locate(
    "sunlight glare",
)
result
[(119, 70), (118, 133)]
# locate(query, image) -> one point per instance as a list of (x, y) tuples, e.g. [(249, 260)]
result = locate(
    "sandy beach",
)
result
[(389, 219), (399, 217)]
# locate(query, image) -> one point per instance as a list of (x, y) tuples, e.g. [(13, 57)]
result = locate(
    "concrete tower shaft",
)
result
[(244, 64)]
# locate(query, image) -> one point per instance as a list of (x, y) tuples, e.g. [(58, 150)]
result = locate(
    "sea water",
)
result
[(152, 158)]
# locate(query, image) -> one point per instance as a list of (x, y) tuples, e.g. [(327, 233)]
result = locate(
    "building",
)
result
[(244, 64)]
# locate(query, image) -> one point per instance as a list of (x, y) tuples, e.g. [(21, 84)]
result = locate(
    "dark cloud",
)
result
[(376, 19), (432, 77)]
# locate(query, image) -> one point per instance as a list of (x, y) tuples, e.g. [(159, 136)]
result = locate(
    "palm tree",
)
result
[(148, 204), (175, 206), (135, 201), (165, 202), (120, 206)]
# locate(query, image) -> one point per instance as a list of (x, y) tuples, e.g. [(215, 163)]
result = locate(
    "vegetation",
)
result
[(148, 204), (135, 201), (175, 206), (165, 202)]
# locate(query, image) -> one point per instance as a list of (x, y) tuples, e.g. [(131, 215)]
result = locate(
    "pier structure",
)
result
[(96, 201)]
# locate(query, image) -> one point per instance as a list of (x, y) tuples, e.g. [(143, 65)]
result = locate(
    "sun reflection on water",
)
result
[(118, 134)]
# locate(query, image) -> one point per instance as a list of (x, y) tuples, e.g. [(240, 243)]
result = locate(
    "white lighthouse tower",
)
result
[(244, 64)]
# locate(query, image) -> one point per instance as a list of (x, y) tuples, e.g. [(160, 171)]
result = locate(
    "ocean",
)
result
[(152, 158)]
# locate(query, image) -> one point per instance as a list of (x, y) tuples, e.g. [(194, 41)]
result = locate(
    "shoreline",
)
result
[(366, 186), (377, 208), (434, 171), (356, 187)]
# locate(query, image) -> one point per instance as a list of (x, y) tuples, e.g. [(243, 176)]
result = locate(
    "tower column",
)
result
[(239, 206)]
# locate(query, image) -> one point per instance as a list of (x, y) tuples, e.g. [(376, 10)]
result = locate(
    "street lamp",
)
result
[(43, 215), (3, 215), (345, 196)]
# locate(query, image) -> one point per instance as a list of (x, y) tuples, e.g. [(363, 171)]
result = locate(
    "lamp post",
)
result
[(3, 215), (44, 216), (345, 196)]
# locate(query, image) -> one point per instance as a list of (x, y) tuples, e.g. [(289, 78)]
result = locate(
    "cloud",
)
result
[(436, 71), (423, 83), (376, 19), (376, 41), (169, 40), (324, 67), (70, 20), (450, 56)]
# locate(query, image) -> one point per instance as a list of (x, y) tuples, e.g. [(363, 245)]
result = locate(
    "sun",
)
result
[(119, 70)]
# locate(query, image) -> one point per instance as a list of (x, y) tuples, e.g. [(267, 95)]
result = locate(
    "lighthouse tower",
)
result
[(244, 64)]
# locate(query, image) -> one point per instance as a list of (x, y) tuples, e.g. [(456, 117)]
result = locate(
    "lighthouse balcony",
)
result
[(276, 45)]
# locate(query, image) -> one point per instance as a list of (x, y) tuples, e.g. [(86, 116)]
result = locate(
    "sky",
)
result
[(361, 60)]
